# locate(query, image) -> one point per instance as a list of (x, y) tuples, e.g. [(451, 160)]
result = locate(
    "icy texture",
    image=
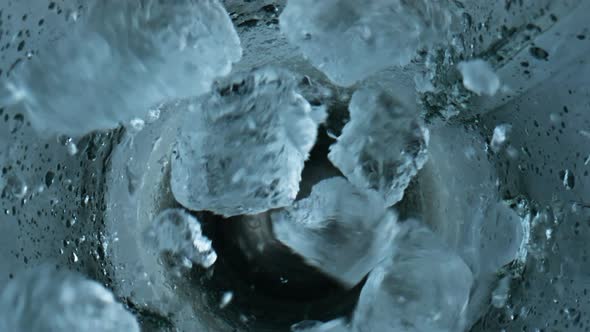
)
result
[(479, 77), (177, 232), (47, 300), (122, 58), (383, 146), (342, 231), (424, 287), (461, 205), (441, 92), (243, 147), (350, 39), (497, 240), (336, 325)]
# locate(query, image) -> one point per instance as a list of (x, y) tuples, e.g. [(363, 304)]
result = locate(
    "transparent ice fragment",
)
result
[(499, 238), (424, 287), (349, 39), (47, 300), (500, 293), (479, 77), (177, 232), (343, 231), (122, 58), (383, 146), (336, 325), (461, 204), (243, 147)]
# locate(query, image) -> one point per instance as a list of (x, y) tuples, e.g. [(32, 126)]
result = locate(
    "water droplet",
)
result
[(17, 123), (49, 176), (16, 186), (539, 53)]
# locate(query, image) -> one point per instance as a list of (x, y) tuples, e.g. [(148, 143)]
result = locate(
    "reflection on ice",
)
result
[(48, 300)]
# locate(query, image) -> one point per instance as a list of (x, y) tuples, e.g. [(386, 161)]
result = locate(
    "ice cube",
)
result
[(121, 59), (349, 39), (479, 77), (243, 147), (48, 300), (177, 232), (383, 146), (341, 230), (423, 287)]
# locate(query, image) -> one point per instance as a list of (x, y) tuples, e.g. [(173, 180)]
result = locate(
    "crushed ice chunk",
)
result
[(343, 231), (500, 136), (121, 59), (383, 146), (177, 232), (424, 287), (349, 39), (47, 300), (479, 77), (243, 147)]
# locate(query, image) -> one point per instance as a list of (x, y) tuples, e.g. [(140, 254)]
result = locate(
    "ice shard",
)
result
[(349, 39), (343, 231), (122, 58), (423, 287), (179, 233), (383, 146)]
